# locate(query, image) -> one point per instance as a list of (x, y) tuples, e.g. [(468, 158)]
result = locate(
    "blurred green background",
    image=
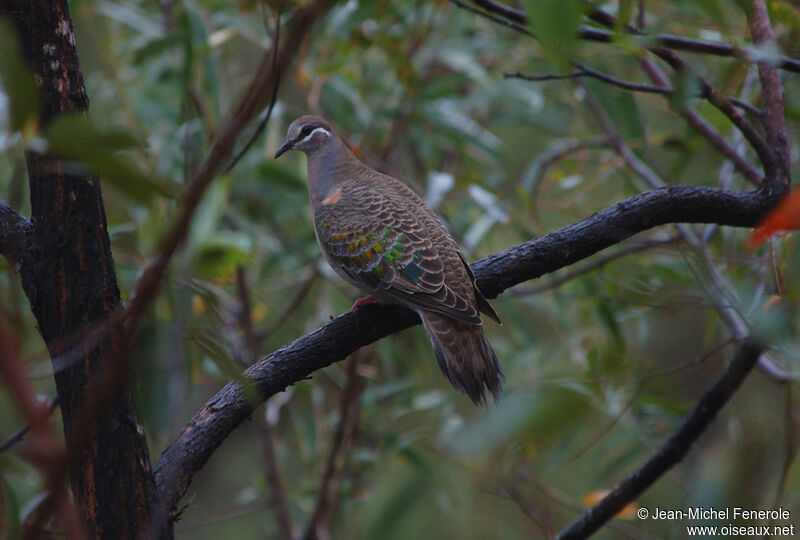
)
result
[(600, 370)]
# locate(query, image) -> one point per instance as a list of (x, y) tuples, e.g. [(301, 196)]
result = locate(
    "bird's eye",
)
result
[(305, 131)]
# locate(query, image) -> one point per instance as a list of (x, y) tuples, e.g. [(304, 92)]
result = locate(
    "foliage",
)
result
[(599, 370)]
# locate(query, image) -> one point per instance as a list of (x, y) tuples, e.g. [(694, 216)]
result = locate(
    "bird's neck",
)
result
[(328, 168)]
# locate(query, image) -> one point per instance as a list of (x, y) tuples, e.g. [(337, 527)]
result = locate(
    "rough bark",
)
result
[(68, 277)]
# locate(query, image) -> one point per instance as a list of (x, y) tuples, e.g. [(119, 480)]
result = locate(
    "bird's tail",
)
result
[(464, 356)]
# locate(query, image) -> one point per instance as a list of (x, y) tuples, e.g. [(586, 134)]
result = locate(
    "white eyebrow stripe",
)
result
[(322, 129)]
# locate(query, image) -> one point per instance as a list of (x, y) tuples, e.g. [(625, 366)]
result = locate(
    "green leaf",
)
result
[(619, 106), (76, 138), (218, 255), (555, 24), (16, 81), (280, 175), (687, 87)]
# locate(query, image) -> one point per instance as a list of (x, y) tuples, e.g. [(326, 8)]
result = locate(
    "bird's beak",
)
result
[(288, 145)]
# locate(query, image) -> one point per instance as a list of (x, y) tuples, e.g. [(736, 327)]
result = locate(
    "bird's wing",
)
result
[(380, 244)]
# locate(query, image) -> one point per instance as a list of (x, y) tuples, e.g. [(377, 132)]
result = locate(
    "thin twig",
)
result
[(725, 106), (598, 262), (19, 435), (43, 449), (503, 10), (495, 19), (551, 156), (543, 522), (295, 303), (261, 427), (515, 20), (318, 525), (719, 292), (704, 128), (674, 449), (273, 98), (709, 93), (585, 71), (664, 44)]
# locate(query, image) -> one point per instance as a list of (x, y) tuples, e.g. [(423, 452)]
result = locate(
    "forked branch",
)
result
[(346, 333)]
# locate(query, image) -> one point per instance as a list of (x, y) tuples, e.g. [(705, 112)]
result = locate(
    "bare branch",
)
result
[(673, 451), (318, 525), (259, 89), (503, 10), (261, 427), (585, 71), (19, 435), (663, 87), (705, 129), (516, 19), (662, 50), (346, 333), (773, 100), (495, 19), (725, 105), (43, 448), (599, 262)]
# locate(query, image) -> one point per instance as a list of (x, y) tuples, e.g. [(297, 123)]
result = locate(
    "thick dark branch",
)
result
[(14, 231), (674, 449), (346, 333)]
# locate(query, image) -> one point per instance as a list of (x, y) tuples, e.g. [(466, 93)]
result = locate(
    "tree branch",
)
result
[(346, 333), (674, 450), (318, 527), (261, 427), (663, 87), (19, 435), (14, 231), (600, 262), (765, 153), (662, 47), (772, 88), (516, 19), (43, 448), (586, 71), (725, 105)]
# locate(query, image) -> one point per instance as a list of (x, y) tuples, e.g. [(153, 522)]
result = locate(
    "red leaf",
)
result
[(784, 217)]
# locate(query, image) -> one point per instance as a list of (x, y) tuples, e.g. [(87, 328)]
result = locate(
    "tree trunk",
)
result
[(68, 276)]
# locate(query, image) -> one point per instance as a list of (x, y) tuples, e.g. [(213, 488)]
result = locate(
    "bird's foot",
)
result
[(364, 301)]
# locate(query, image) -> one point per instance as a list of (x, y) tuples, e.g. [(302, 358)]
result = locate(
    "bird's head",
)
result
[(307, 133)]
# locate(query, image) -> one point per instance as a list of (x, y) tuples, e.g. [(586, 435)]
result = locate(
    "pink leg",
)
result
[(364, 301)]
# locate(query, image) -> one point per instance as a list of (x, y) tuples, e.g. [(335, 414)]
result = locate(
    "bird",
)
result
[(380, 236)]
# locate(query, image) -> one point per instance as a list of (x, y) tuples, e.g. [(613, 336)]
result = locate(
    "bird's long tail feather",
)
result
[(464, 356)]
